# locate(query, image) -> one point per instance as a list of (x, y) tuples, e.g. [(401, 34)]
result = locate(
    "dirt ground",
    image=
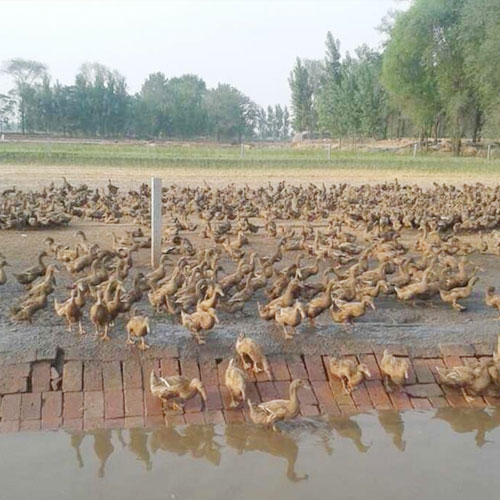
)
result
[(424, 325)]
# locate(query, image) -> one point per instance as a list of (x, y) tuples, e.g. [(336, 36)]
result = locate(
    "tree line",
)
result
[(438, 74), (98, 105)]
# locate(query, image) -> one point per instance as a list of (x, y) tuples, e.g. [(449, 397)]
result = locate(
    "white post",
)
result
[(242, 150), (489, 151), (156, 220), (415, 150), (329, 151)]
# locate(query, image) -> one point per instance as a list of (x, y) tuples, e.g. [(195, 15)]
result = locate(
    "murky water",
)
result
[(448, 454)]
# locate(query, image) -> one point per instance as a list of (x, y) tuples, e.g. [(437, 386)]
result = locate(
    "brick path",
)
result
[(107, 394)]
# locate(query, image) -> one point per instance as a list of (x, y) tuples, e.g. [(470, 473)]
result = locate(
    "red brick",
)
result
[(175, 419), (93, 404), (309, 410), (234, 416), (307, 396), (483, 349), (40, 377), (226, 397), (214, 417), (51, 405), (92, 376), (152, 405), (51, 424), (148, 366), (348, 410), (315, 368), (433, 364), (189, 368), (93, 423), (73, 405), (394, 349), (113, 404), (16, 370), (477, 402), (421, 404), (30, 425), (422, 371), (214, 401), (154, 422), (169, 367), (423, 390), (31, 406), (8, 426), (279, 368), (208, 371), (371, 361), (11, 407), (132, 375), (439, 402), (331, 408), (72, 376), (456, 350), (492, 400), (472, 362), (282, 388), (297, 369), (322, 391), (169, 351), (267, 391), (253, 393), (134, 422), (341, 397), (194, 405), (114, 423), (11, 385), (194, 418), (221, 370), (451, 361), (112, 376), (378, 395), (361, 398), (400, 400), (73, 424), (134, 403), (455, 397)]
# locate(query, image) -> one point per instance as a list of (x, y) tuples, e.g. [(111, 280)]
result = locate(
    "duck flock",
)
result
[(289, 253)]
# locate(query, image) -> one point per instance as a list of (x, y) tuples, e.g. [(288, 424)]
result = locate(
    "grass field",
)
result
[(229, 157)]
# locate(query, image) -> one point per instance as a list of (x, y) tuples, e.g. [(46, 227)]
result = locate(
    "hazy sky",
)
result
[(251, 44)]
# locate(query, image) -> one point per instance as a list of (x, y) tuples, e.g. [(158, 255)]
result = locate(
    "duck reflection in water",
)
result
[(198, 440), (103, 448), (254, 438), (467, 420), (393, 425), (350, 429)]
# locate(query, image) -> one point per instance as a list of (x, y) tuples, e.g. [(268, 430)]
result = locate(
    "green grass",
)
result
[(203, 156)]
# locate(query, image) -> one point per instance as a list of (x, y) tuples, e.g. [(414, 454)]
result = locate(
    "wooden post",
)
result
[(415, 150), (329, 151), (156, 220), (489, 151)]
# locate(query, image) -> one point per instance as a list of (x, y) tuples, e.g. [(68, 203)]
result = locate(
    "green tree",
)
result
[(302, 95), (24, 73)]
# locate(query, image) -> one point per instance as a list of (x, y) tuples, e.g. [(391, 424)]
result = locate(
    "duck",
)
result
[(345, 312), (349, 372), (138, 327), (176, 390), (32, 273), (472, 381), (251, 355), (455, 294), (235, 381), (70, 311), (491, 299), (99, 315), (319, 304), (270, 412), (290, 317), (199, 321), (394, 370), (3, 274)]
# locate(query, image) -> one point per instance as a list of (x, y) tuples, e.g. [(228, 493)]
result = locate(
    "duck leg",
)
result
[(129, 340), (143, 345), (80, 328), (105, 336), (387, 385)]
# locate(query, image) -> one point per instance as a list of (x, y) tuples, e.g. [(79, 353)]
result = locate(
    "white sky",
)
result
[(251, 44)]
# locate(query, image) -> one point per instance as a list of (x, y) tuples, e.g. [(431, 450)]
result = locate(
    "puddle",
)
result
[(388, 455)]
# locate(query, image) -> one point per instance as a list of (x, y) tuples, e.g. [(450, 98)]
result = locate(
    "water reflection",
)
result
[(210, 443), (471, 420)]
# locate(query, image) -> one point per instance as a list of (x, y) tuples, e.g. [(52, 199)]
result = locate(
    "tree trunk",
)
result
[(476, 131), (456, 145)]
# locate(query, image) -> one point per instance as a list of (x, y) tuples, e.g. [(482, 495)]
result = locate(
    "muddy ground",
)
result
[(425, 325)]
